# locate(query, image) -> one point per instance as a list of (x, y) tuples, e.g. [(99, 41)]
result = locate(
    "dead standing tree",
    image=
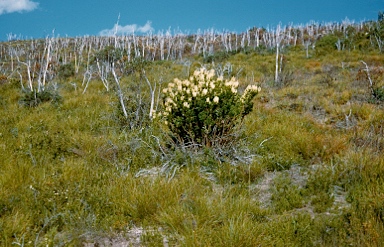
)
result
[(279, 36), (119, 91), (46, 60), (103, 69), (34, 60), (17, 52)]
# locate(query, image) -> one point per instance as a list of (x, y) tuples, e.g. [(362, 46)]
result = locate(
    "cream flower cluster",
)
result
[(203, 87), (202, 84), (252, 88), (233, 83)]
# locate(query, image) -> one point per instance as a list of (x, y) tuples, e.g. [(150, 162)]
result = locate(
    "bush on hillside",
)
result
[(34, 98), (326, 44), (205, 109), (66, 71)]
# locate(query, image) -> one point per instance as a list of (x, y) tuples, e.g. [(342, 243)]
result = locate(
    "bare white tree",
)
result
[(88, 75), (104, 68), (278, 39), (369, 77), (119, 91), (161, 41), (28, 66), (47, 56)]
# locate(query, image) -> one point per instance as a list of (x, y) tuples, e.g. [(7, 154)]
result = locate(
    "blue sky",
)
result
[(37, 18)]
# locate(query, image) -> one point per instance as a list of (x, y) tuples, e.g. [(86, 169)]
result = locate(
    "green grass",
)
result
[(74, 173)]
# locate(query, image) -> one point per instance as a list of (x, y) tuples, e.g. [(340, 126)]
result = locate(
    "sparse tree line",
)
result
[(39, 61)]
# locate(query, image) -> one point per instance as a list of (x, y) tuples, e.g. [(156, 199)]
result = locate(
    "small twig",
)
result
[(261, 144), (31, 155), (45, 225), (347, 118), (369, 77), (74, 85), (238, 72), (158, 142), (17, 242)]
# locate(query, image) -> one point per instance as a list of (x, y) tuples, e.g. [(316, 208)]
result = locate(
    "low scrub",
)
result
[(205, 109), (34, 98)]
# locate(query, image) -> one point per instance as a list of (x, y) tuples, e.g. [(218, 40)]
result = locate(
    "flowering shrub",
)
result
[(204, 109)]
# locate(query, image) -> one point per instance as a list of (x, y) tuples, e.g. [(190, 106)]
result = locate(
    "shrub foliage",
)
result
[(205, 109), (34, 98)]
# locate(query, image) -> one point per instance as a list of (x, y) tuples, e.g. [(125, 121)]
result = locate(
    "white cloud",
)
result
[(128, 29), (10, 6)]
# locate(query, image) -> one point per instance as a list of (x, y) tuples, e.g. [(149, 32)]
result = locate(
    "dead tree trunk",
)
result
[(43, 72), (119, 91), (277, 41)]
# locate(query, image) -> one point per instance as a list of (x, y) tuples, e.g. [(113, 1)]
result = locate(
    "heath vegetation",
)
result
[(271, 137)]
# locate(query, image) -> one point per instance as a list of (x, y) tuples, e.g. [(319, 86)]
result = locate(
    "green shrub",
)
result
[(34, 98), (205, 109), (66, 71), (217, 57), (286, 195), (326, 44), (378, 94), (109, 54)]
